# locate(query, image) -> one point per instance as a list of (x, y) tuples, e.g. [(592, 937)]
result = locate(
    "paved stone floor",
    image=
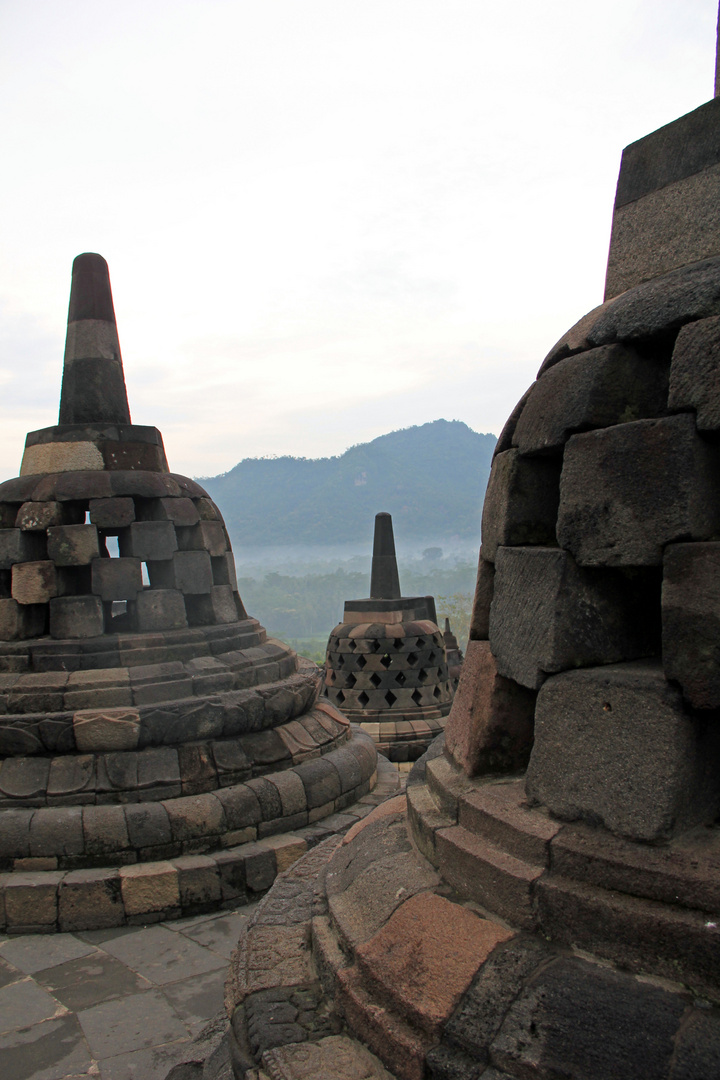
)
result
[(117, 1004)]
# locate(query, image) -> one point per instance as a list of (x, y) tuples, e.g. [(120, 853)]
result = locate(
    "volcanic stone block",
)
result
[(182, 512), (695, 372), (480, 618), (75, 617), (490, 726), (98, 730), (104, 830), (31, 900), (149, 887), (615, 745), (321, 782), (56, 831), (17, 546), (691, 621), (549, 614), (116, 579), (188, 571), (205, 536), (112, 513), (148, 824), (583, 1020), (598, 388), (24, 778), (160, 609), (73, 545), (149, 540), (222, 600), (34, 582), (90, 900), (520, 503), (39, 516), (626, 491), (20, 621)]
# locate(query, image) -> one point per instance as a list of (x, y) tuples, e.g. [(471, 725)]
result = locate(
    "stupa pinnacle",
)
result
[(156, 748)]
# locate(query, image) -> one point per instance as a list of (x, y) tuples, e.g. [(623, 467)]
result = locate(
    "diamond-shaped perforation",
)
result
[(400, 678), (374, 645), (363, 699), (375, 679), (351, 646), (390, 698), (386, 661), (416, 696), (340, 696), (422, 674), (436, 692), (420, 643), (350, 681), (340, 662), (361, 661), (412, 659)]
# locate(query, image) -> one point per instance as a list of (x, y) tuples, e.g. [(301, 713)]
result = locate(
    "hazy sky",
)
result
[(324, 219)]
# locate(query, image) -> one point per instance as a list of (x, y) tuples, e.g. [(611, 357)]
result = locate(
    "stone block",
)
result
[(113, 513), (207, 510), (260, 867), (24, 779), (160, 609), (76, 617), (31, 900), (695, 373), (197, 768), (521, 502), (148, 825), (610, 385), (626, 491), (188, 571), (291, 790), (71, 779), (549, 614), (480, 618), (116, 579), (34, 582), (181, 512), (267, 796), (104, 830), (321, 782), (149, 540), (447, 942), (490, 726), (90, 900), (15, 834), (159, 767), (21, 621), (204, 536), (240, 805), (615, 746), (56, 831), (222, 601), (73, 545), (579, 1019), (691, 621), (198, 881), (231, 872), (149, 887), (18, 546), (39, 516), (287, 849), (73, 580), (232, 763), (195, 816)]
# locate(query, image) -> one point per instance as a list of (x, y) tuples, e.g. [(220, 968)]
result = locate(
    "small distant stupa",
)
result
[(152, 738), (386, 666)]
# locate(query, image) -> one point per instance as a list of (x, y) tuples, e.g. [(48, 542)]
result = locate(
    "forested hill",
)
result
[(431, 478)]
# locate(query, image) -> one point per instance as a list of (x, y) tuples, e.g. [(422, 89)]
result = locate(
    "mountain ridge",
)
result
[(431, 477)]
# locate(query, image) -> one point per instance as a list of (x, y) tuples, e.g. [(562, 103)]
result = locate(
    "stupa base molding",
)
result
[(196, 871), (535, 988)]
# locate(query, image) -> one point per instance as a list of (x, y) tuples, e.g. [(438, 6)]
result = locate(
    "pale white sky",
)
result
[(324, 219)]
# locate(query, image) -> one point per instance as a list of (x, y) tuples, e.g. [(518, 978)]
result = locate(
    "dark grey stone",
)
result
[(521, 502), (112, 513), (384, 580), (445, 1062), (480, 618), (695, 372), (73, 545), (24, 778), (56, 831), (260, 867), (697, 1047), (691, 621), (268, 797), (609, 385), (626, 491), (505, 440), (241, 806), (148, 824), (149, 540), (321, 782), (116, 579), (15, 834), (76, 617), (265, 748), (17, 546), (549, 614), (577, 1019), (614, 745)]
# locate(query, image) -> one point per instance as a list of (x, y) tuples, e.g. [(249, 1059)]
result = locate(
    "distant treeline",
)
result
[(431, 478)]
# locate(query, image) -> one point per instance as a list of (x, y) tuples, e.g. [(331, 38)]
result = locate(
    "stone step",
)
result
[(424, 820), (481, 871), (499, 813), (447, 784)]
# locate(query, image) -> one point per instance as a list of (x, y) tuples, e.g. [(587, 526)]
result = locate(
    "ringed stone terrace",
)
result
[(159, 754)]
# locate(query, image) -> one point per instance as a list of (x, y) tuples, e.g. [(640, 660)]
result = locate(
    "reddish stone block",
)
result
[(445, 941), (34, 582), (490, 726)]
